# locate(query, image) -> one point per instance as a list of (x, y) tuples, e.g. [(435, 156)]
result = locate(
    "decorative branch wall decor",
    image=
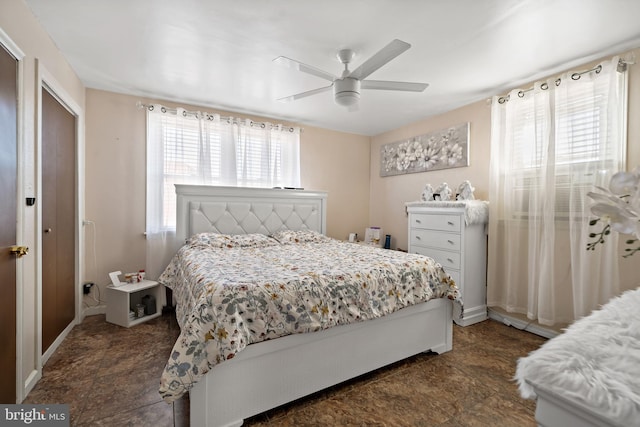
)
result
[(447, 148)]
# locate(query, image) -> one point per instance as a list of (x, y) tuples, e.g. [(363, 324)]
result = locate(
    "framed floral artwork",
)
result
[(447, 148)]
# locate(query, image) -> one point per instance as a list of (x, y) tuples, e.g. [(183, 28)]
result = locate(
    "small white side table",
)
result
[(124, 298)]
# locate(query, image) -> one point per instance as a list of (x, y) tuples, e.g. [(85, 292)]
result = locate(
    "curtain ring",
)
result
[(150, 108), (521, 94), (184, 113), (503, 99), (575, 76), (598, 68), (164, 110), (263, 126), (558, 81), (291, 130), (544, 86)]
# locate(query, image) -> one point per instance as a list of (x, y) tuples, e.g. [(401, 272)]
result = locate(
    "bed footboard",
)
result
[(268, 374)]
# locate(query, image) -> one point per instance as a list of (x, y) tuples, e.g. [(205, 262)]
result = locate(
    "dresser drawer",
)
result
[(436, 222), (445, 258), (435, 239)]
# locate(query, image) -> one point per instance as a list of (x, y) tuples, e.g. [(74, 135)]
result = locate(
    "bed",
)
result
[(589, 375), (260, 359)]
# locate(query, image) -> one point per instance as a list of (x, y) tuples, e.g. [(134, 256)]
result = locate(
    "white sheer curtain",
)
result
[(198, 148), (274, 162), (549, 147)]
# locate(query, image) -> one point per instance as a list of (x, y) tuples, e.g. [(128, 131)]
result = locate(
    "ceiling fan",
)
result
[(346, 88)]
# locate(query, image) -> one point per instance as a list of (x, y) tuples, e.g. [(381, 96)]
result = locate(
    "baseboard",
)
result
[(94, 310), (30, 383), (54, 346), (523, 325), (472, 316)]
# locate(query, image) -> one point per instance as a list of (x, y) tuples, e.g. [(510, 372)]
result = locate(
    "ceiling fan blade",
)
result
[(386, 54), (305, 94), (386, 85), (292, 63)]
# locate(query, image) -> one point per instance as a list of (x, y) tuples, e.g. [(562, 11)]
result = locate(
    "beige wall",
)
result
[(389, 194), (338, 163), (115, 180), (24, 31)]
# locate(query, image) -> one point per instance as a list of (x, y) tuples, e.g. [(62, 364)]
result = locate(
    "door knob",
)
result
[(48, 230), (19, 251)]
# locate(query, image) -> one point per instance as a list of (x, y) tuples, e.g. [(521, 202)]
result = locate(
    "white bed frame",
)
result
[(270, 373)]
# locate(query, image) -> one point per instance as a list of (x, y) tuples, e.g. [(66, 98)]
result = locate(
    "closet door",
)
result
[(8, 212), (58, 218)]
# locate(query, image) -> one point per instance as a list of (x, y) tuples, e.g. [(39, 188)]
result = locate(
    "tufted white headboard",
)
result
[(238, 210)]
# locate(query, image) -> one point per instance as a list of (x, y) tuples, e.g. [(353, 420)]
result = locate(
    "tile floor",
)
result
[(109, 377)]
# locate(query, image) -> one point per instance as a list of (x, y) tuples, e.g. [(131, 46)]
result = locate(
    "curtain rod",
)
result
[(622, 67), (211, 116)]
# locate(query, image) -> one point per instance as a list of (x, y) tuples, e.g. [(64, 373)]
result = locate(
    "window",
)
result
[(191, 154), (196, 148), (571, 141), (549, 147), (577, 128)]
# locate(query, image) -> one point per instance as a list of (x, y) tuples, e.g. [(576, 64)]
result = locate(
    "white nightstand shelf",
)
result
[(124, 298)]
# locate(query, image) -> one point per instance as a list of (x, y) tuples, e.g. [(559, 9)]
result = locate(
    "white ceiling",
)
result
[(219, 53)]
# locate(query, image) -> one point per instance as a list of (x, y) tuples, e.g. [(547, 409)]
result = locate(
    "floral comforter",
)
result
[(232, 291)]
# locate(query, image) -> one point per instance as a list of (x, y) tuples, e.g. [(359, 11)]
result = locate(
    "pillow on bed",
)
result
[(217, 240), (299, 236)]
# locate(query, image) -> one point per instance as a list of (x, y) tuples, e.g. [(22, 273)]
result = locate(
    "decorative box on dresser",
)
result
[(454, 234)]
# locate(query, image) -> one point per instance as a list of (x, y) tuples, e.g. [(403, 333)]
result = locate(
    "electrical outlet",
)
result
[(86, 288)]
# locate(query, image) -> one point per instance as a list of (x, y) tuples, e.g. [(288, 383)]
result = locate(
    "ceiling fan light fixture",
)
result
[(347, 98), (346, 91)]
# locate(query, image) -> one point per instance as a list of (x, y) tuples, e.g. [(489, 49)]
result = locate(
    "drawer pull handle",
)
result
[(417, 237), (450, 260), (449, 222), (450, 242), (418, 221)]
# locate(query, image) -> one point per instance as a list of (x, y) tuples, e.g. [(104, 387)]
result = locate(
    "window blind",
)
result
[(196, 149), (581, 130)]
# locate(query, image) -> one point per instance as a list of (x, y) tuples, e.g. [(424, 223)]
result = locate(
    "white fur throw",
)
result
[(596, 361), (475, 211)]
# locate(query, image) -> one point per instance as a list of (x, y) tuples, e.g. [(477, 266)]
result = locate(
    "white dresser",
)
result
[(454, 234)]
